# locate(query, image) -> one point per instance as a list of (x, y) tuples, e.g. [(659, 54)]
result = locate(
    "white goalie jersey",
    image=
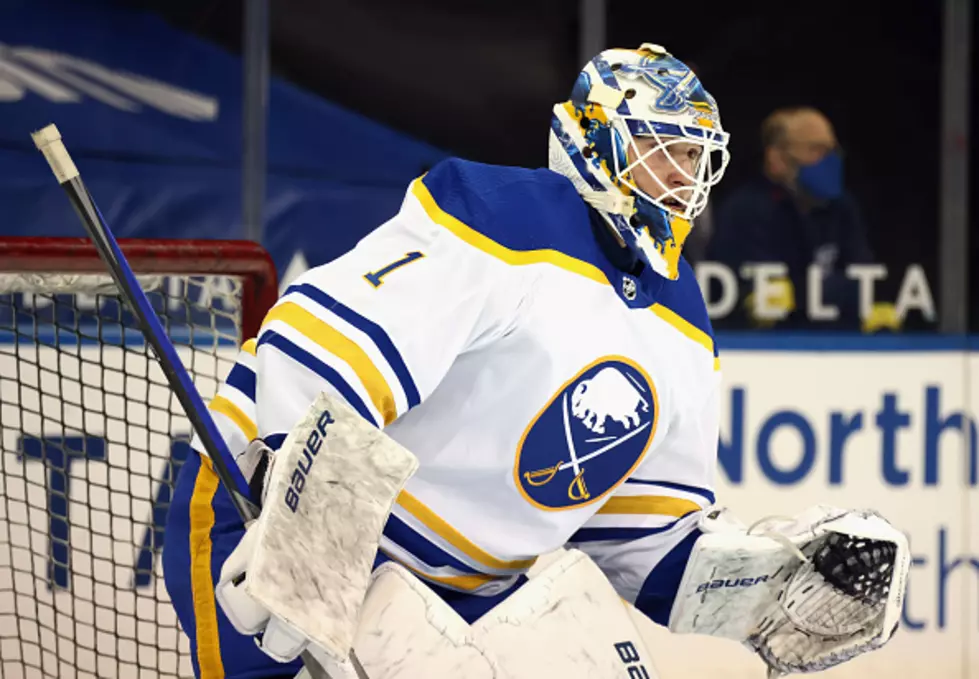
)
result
[(551, 397)]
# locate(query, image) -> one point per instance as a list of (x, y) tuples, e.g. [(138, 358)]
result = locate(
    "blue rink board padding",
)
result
[(49, 335), (843, 342), (112, 334), (65, 320)]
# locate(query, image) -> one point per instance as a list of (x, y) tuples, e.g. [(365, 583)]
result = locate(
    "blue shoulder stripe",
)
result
[(520, 209), (309, 361), (369, 328), (242, 378), (685, 298)]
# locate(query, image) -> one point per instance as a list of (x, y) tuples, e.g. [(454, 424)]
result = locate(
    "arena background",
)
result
[(162, 105)]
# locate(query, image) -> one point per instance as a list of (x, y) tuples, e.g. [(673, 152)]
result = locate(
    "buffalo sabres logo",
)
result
[(678, 86), (589, 437)]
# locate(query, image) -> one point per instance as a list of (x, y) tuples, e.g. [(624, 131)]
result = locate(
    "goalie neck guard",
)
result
[(624, 95)]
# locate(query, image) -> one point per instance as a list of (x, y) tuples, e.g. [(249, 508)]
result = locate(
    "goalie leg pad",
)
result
[(566, 622)]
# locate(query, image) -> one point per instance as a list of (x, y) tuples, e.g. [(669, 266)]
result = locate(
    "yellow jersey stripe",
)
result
[(468, 583), (649, 504), (344, 348), (558, 259), (250, 347), (501, 252), (717, 363), (201, 581), (684, 326), (220, 404), (438, 525)]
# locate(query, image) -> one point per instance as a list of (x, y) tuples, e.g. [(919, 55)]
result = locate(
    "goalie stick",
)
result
[(48, 142)]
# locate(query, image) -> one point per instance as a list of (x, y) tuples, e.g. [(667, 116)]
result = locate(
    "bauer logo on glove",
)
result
[(733, 582)]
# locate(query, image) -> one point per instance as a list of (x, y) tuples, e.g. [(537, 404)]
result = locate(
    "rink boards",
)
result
[(883, 423), (83, 576), (800, 424)]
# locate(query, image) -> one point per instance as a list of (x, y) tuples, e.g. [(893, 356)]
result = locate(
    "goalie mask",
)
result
[(641, 117)]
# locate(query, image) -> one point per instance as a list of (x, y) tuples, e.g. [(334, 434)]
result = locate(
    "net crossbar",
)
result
[(92, 440)]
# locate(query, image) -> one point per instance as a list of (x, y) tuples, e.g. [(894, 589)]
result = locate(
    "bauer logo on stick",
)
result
[(305, 463), (589, 437)]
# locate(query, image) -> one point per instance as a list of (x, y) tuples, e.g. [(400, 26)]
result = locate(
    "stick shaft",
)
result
[(48, 141), (174, 370)]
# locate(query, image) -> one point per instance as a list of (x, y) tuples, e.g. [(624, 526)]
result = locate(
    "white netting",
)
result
[(91, 439), (61, 283)]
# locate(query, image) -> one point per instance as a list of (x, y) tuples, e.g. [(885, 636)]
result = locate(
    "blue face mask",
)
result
[(823, 180)]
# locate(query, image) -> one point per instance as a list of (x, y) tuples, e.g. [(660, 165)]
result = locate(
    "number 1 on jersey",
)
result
[(375, 278)]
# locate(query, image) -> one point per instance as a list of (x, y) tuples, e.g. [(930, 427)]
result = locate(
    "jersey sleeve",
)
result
[(203, 528), (381, 325), (641, 537), (233, 406)]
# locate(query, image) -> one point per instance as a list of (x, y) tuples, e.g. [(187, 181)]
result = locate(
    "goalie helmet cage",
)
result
[(91, 440)]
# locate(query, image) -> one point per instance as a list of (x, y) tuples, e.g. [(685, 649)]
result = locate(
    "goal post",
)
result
[(23, 259), (91, 441)]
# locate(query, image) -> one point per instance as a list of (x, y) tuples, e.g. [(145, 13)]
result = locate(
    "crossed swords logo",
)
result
[(577, 489)]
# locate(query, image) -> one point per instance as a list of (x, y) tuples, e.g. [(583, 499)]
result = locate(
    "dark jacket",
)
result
[(762, 222)]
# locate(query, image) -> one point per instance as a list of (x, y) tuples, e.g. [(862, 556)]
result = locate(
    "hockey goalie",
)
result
[(519, 361)]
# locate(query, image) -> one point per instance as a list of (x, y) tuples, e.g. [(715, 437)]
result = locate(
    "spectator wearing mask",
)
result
[(798, 213)]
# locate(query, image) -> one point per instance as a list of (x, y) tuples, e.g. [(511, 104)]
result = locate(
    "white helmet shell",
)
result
[(622, 96)]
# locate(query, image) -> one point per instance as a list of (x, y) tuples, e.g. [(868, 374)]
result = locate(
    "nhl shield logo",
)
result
[(589, 437)]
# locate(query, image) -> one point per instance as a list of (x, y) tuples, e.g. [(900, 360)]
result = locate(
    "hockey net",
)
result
[(91, 441)]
